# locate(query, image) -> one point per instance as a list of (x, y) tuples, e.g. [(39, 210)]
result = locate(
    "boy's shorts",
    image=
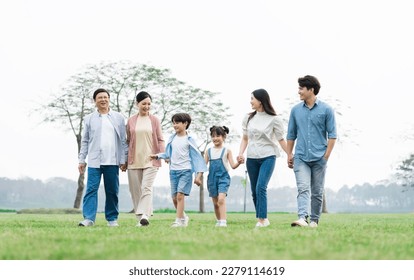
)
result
[(181, 181)]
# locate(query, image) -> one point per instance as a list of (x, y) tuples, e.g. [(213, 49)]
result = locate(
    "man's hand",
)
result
[(81, 168), (290, 161)]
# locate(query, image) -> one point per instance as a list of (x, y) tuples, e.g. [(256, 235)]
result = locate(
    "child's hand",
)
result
[(197, 181), (240, 159), (153, 156)]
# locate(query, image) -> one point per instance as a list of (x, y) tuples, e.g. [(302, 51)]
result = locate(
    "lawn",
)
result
[(338, 237)]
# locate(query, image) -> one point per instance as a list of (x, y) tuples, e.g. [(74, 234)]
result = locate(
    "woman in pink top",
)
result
[(144, 137)]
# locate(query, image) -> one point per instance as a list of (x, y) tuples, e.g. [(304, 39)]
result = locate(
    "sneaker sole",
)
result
[(144, 222), (297, 225)]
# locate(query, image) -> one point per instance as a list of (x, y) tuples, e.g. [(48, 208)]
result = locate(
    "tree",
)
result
[(69, 108), (405, 172), (124, 80)]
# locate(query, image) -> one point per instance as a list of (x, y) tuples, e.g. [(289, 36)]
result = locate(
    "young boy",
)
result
[(185, 159)]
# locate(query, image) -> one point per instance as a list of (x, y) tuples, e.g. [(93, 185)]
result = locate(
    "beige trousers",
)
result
[(141, 186)]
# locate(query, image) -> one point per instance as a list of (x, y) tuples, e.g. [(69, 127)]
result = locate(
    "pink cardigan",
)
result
[(158, 144)]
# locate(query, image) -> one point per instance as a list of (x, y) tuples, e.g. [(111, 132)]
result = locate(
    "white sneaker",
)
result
[(187, 219), (86, 223), (144, 221), (299, 223), (178, 224), (313, 224), (113, 223), (265, 223)]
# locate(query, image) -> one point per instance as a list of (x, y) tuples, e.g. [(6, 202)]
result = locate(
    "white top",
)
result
[(215, 154), (180, 154), (263, 132), (108, 139)]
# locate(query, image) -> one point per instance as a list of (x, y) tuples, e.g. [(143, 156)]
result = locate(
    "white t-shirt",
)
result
[(180, 156), (108, 139)]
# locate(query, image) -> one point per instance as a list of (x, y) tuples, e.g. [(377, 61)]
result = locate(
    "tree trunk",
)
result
[(201, 203), (79, 192), (324, 206), (81, 179)]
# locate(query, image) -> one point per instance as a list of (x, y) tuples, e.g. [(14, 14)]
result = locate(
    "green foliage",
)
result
[(124, 80), (338, 237), (7, 211)]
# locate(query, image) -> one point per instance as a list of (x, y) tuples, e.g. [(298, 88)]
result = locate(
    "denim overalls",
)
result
[(218, 180)]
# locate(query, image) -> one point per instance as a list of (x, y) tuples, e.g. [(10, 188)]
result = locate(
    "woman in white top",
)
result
[(262, 129)]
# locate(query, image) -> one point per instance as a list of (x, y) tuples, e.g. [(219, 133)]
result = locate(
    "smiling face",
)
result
[(256, 104), (306, 94), (180, 128), (217, 140), (102, 102), (144, 106)]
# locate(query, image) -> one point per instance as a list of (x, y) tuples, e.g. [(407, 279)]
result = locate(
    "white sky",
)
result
[(360, 50)]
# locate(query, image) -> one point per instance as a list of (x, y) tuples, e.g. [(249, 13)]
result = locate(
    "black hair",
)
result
[(142, 95), (263, 96), (99, 90), (219, 130), (182, 117), (310, 82)]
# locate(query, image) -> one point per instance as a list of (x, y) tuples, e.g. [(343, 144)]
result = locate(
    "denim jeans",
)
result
[(111, 184), (310, 180), (181, 181), (260, 171)]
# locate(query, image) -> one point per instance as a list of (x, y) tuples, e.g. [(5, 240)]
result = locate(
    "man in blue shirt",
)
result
[(104, 143), (312, 125)]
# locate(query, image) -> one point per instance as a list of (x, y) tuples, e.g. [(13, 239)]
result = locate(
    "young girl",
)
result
[(218, 159)]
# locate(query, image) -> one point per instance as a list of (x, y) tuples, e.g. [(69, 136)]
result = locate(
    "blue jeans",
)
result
[(111, 183), (260, 171), (310, 181)]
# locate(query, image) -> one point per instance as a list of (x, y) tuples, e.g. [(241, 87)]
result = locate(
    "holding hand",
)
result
[(290, 161), (123, 167), (153, 156), (197, 179)]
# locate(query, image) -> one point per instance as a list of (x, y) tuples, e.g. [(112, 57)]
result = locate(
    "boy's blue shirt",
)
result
[(197, 161)]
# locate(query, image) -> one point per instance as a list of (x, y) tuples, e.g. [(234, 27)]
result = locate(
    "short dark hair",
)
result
[(99, 90), (182, 117), (310, 82), (219, 130)]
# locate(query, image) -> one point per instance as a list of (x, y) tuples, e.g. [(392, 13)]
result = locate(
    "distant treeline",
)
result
[(60, 193)]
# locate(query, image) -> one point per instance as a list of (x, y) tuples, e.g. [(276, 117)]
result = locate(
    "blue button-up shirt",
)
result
[(91, 139), (311, 127)]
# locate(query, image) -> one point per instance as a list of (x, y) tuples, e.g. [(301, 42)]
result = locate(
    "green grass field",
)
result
[(339, 237)]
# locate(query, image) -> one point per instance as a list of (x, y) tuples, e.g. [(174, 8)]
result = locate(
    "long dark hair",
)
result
[(263, 96)]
